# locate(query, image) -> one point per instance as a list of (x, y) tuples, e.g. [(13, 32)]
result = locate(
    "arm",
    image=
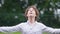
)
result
[(52, 30), (49, 29), (11, 29)]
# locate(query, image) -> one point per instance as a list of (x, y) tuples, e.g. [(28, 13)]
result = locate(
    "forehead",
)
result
[(31, 8)]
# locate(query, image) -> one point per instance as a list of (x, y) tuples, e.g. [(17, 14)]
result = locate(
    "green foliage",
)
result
[(12, 12), (19, 33)]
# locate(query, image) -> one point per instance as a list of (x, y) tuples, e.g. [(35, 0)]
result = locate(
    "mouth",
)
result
[(31, 13)]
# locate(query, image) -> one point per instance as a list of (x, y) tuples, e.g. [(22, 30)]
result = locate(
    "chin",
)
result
[(31, 16)]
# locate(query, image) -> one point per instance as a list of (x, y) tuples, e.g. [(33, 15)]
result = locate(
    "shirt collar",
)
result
[(33, 23)]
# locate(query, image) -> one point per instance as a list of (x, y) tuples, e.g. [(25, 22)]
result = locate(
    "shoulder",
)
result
[(23, 23), (41, 24)]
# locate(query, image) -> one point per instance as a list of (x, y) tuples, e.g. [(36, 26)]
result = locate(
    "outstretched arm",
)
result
[(10, 29), (49, 29), (52, 30)]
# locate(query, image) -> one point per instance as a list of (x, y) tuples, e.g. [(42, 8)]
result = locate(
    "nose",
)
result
[(31, 11)]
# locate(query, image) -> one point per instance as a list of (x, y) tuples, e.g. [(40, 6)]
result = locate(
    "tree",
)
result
[(12, 11)]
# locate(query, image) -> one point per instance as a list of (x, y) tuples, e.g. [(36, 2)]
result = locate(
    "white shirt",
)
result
[(26, 28)]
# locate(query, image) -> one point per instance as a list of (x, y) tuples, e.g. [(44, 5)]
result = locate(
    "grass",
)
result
[(18, 33)]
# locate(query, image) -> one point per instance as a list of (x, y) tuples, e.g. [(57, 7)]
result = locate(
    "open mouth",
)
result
[(31, 13)]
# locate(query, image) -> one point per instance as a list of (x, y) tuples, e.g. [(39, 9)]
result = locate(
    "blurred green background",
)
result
[(19, 33), (12, 12)]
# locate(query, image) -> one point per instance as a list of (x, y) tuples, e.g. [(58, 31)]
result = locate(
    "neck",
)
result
[(31, 20)]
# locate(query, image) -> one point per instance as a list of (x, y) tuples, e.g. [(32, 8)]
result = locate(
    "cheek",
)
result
[(34, 13), (27, 14)]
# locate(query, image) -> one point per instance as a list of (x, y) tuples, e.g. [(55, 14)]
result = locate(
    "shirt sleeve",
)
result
[(50, 30), (11, 29)]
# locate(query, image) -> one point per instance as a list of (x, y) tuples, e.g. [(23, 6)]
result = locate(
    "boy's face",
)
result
[(31, 13)]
